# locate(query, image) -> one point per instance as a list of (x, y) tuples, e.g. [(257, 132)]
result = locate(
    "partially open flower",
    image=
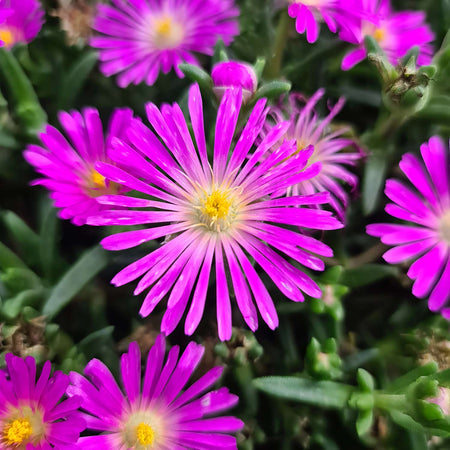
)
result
[(237, 74)]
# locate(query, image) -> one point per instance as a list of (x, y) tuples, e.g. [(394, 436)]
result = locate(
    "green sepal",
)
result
[(197, 75)]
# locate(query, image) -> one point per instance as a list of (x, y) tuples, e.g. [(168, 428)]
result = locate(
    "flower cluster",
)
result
[(158, 416), (395, 32)]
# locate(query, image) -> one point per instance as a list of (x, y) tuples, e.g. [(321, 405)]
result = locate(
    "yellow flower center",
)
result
[(217, 210), (168, 33), (444, 227), (7, 36), (216, 205), (98, 179), (18, 431), (379, 34), (145, 434)]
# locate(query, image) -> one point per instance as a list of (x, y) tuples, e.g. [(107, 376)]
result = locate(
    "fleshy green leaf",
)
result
[(86, 268), (326, 394)]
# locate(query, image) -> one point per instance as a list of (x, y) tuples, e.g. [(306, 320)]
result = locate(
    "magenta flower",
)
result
[(156, 414), (24, 19), (69, 166), (308, 129), (236, 74), (396, 33), (427, 239), (31, 414), (337, 14), (217, 213), (143, 37)]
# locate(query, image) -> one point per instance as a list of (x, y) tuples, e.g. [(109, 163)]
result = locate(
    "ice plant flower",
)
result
[(68, 167), (219, 212), (141, 38), (328, 142), (425, 238), (23, 22), (236, 74), (337, 14), (156, 414), (31, 414), (395, 32)]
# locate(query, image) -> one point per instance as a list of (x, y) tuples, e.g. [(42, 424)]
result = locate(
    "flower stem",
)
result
[(273, 66)]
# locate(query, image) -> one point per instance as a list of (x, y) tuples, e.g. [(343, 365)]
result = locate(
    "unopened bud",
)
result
[(229, 74)]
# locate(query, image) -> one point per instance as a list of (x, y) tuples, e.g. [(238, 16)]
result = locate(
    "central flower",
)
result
[(17, 432), (216, 210), (167, 33)]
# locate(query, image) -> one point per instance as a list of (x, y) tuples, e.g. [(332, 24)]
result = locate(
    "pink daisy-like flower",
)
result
[(69, 166), (427, 239), (396, 33), (337, 14), (31, 414), (308, 129), (24, 19), (156, 414), (219, 213), (143, 37)]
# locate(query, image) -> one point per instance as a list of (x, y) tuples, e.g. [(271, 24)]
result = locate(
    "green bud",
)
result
[(429, 411)]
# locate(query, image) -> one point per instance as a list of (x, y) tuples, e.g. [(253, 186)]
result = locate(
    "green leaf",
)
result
[(74, 80), (27, 106), (86, 268), (364, 422), (273, 89), (404, 381), (406, 421), (367, 274), (50, 260), (92, 344), (9, 259), (326, 394), (197, 75), (373, 180), (24, 237), (12, 307), (365, 380)]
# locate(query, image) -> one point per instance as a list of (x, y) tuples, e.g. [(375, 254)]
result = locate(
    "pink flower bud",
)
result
[(234, 74)]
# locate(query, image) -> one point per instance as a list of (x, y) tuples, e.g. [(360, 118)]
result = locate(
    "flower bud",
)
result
[(229, 74)]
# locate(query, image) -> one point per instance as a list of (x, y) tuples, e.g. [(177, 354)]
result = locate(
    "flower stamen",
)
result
[(145, 434), (17, 432)]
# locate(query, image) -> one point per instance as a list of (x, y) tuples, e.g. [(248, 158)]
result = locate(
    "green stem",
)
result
[(390, 402), (273, 66)]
